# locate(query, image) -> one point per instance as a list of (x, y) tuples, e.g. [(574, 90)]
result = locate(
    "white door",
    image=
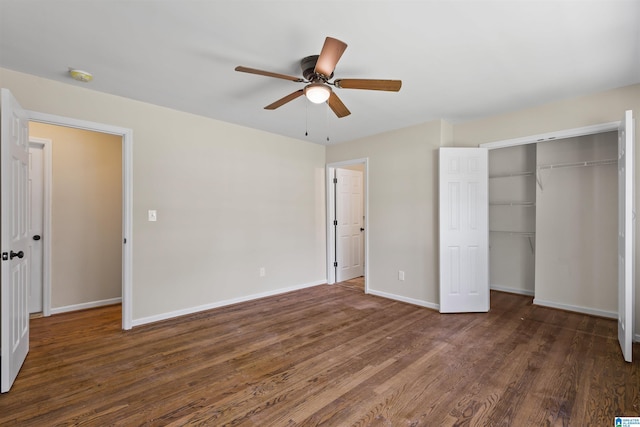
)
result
[(464, 230), (14, 267), (36, 210), (625, 235), (350, 220)]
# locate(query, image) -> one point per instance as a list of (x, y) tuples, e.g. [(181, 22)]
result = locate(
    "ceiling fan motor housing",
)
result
[(308, 66)]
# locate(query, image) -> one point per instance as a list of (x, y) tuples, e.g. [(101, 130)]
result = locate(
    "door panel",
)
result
[(349, 234), (464, 230), (625, 235), (14, 270)]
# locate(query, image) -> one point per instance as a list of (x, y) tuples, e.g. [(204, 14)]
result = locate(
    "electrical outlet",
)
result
[(400, 275), (153, 215), (263, 272)]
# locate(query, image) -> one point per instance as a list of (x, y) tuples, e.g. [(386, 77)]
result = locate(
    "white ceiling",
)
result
[(458, 60)]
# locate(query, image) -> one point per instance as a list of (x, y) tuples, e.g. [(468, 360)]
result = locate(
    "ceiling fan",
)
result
[(317, 70)]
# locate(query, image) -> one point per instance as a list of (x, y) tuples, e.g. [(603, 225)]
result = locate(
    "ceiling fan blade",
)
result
[(337, 106), (370, 84), (267, 73), (280, 102), (330, 54)]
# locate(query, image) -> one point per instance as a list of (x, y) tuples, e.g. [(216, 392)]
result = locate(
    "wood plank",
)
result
[(328, 355)]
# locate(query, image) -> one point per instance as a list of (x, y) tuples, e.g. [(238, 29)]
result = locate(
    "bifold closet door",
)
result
[(464, 230), (625, 235)]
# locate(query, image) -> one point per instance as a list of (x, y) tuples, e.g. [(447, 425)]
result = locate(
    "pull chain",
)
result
[(326, 121)]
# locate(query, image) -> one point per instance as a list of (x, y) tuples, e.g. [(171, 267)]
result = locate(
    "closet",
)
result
[(553, 222)]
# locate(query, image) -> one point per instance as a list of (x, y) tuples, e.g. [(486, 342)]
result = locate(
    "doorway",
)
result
[(125, 195), (347, 207), (83, 243)]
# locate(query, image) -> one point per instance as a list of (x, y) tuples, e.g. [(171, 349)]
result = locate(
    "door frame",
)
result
[(127, 197), (330, 213), (46, 221)]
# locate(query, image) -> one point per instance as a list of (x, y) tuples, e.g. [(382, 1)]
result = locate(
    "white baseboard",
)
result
[(85, 305), (204, 307), (578, 309), (413, 301), (512, 290)]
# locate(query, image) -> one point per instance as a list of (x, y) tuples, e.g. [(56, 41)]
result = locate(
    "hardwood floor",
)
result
[(327, 356), (355, 284)]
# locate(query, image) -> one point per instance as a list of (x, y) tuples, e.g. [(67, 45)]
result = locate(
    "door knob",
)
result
[(20, 255), (361, 229), (36, 237)]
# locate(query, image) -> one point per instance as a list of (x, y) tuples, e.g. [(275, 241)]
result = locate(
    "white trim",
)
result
[(330, 197), (86, 305), (512, 290), (567, 133), (413, 301), (46, 222), (205, 307), (331, 231), (127, 197), (576, 308)]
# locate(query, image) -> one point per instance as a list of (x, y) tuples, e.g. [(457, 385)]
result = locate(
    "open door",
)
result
[(625, 235), (14, 267), (464, 230)]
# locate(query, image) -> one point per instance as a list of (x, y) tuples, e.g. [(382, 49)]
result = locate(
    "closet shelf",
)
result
[(530, 235), (578, 164), (511, 175), (515, 233), (571, 165), (513, 203)]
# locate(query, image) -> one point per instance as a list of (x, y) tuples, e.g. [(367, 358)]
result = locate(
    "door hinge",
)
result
[(335, 222), (5, 256), (125, 241), (335, 180), (335, 264)]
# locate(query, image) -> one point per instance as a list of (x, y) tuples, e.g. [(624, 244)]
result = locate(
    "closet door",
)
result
[(464, 230), (625, 235)]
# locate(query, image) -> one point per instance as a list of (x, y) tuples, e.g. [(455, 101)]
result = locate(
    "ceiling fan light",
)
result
[(317, 92)]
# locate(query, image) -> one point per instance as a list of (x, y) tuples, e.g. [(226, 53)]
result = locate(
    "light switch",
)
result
[(153, 215)]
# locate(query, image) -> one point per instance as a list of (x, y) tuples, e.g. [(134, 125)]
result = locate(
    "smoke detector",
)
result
[(79, 75)]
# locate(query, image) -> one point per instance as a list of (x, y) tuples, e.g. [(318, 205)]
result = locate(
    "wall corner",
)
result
[(446, 134)]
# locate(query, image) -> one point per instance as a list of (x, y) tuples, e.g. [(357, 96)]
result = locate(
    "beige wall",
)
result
[(86, 215), (403, 210), (230, 200), (598, 108)]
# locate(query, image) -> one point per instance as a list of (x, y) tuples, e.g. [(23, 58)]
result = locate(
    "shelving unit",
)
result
[(512, 190)]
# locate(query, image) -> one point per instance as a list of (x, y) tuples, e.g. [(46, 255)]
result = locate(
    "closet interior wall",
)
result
[(576, 224)]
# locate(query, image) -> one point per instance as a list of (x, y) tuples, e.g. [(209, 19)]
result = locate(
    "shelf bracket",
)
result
[(539, 179)]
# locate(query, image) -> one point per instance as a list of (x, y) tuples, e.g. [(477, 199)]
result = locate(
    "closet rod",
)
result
[(511, 175), (524, 204), (515, 233), (579, 164)]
